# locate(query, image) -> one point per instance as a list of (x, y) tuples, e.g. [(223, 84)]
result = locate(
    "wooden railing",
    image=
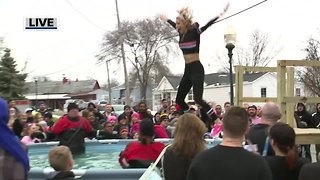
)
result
[(285, 94)]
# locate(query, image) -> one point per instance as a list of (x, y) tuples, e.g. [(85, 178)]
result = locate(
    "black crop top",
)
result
[(190, 41)]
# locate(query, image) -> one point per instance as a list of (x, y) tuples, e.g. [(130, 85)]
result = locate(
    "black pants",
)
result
[(305, 151), (193, 77), (317, 151)]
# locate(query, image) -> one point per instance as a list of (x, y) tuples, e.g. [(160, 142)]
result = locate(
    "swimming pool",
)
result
[(99, 162), (99, 154)]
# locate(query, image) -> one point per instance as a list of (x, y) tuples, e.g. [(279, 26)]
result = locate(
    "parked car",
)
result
[(118, 108), (81, 103)]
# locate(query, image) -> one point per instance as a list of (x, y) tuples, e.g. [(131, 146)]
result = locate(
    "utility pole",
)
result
[(36, 88), (127, 92), (109, 87)]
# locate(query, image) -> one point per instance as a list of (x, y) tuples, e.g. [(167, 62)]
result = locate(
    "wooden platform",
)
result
[(307, 136)]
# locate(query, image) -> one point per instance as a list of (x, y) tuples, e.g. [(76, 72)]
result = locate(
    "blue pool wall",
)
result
[(96, 174)]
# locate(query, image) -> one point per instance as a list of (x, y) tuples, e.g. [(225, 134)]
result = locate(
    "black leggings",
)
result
[(193, 76)]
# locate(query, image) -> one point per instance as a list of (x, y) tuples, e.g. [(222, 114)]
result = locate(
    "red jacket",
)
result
[(64, 124), (160, 131), (139, 151)]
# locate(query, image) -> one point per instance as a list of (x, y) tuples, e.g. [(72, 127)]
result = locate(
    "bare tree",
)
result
[(148, 44), (113, 83), (259, 52), (310, 76), (158, 71), (42, 78)]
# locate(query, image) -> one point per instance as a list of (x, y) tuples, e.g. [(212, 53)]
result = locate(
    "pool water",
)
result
[(102, 154), (97, 156), (86, 161)]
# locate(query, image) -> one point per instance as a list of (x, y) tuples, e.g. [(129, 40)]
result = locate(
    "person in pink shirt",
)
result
[(112, 120), (31, 134), (254, 118), (135, 126), (216, 129), (135, 118)]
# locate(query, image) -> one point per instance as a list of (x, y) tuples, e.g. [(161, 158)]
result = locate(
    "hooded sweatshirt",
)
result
[(316, 117), (305, 116)]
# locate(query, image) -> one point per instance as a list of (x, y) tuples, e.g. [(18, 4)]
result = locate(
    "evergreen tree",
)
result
[(12, 82)]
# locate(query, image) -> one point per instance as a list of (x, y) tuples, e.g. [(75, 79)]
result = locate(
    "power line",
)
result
[(63, 70), (84, 16), (240, 11)]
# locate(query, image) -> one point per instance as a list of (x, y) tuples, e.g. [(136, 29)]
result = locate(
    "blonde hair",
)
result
[(26, 130), (37, 117), (189, 136), (185, 15), (58, 157)]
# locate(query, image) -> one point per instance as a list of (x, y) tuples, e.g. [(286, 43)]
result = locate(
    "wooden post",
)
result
[(281, 89), (240, 86), (285, 95), (236, 99), (290, 93)]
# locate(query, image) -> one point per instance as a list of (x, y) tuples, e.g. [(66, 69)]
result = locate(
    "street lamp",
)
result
[(230, 40)]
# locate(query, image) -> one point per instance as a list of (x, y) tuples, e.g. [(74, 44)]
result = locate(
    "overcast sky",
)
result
[(71, 49)]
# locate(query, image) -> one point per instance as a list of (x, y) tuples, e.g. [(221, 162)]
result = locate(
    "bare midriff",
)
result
[(189, 58)]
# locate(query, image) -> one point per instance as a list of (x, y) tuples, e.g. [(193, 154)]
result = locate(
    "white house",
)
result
[(217, 89), (55, 93), (166, 89)]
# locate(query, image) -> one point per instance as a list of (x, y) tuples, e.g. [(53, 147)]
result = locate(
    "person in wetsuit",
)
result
[(189, 43), (71, 129)]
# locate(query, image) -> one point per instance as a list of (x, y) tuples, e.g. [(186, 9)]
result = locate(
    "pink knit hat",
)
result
[(135, 114), (112, 119), (135, 128)]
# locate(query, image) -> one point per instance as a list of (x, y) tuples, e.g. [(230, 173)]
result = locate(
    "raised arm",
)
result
[(202, 29), (164, 18)]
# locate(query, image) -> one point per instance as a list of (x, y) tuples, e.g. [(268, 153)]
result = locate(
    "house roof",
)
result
[(174, 80), (85, 93), (49, 96), (122, 86), (58, 87), (137, 85), (216, 78), (224, 78)]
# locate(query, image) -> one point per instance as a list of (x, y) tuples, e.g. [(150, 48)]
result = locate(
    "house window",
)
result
[(263, 92), (157, 97), (157, 100), (166, 96), (122, 93), (298, 92)]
